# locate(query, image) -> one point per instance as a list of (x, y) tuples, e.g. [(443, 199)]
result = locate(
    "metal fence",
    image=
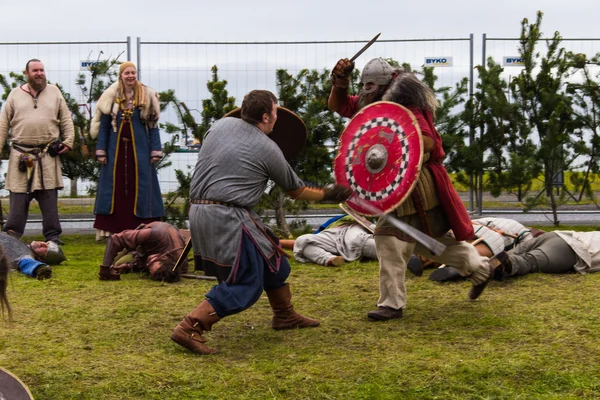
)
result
[(186, 66), (505, 52)]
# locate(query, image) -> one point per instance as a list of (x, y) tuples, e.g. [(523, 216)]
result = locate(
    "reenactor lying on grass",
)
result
[(338, 240), (492, 237), (530, 250), (33, 260)]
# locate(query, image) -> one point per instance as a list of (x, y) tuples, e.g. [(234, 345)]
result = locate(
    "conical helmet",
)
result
[(55, 255), (377, 71)]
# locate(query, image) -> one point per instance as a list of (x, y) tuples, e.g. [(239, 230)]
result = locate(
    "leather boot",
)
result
[(189, 331), (43, 272), (481, 277), (384, 314), (284, 316), (107, 273)]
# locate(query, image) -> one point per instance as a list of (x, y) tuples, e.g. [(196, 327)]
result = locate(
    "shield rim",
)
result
[(418, 168), (282, 135), (16, 378)]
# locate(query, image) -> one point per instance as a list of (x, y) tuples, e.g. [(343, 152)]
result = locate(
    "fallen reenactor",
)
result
[(339, 240), (494, 236), (33, 260), (556, 252), (152, 248)]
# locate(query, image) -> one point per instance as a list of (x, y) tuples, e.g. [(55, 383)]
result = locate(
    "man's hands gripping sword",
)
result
[(340, 75)]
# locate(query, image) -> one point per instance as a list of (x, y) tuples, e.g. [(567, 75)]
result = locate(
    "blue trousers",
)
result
[(253, 276)]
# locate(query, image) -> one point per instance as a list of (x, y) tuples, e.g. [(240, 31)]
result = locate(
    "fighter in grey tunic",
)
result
[(238, 184), (235, 163)]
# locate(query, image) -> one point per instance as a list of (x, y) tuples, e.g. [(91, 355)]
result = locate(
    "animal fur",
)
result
[(108, 106)]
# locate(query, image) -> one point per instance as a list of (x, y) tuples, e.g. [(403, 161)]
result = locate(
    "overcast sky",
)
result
[(271, 20)]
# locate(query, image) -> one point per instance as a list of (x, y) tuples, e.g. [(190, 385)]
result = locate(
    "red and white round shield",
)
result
[(379, 157)]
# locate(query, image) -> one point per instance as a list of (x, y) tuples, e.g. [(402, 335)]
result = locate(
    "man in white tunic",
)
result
[(40, 126)]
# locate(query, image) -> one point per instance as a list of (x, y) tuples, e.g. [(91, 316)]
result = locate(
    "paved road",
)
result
[(569, 215), (82, 224)]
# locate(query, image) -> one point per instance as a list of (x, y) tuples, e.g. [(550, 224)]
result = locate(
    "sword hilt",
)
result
[(348, 70)]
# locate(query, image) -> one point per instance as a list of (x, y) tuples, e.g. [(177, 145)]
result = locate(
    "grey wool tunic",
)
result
[(234, 165)]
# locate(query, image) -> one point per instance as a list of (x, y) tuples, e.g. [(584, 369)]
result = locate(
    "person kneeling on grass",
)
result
[(34, 259)]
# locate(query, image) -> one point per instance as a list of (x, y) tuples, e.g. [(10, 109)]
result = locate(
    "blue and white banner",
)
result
[(84, 65), (513, 61), (438, 61)]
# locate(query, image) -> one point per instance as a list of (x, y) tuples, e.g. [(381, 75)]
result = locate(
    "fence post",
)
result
[(480, 183), (128, 48), (139, 58), (471, 133)]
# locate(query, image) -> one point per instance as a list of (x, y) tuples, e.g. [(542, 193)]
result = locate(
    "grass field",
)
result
[(75, 337)]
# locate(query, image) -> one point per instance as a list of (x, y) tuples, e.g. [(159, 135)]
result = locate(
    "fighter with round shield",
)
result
[(391, 157), (230, 241)]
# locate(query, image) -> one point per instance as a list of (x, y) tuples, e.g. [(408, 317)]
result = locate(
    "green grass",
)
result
[(75, 337)]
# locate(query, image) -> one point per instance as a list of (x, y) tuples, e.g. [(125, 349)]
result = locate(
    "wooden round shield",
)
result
[(12, 388), (380, 155), (289, 131)]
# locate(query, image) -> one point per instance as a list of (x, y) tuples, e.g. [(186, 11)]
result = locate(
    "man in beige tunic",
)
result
[(37, 118)]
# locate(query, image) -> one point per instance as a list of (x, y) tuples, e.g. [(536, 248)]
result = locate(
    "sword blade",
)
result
[(365, 47), (433, 245), (184, 253)]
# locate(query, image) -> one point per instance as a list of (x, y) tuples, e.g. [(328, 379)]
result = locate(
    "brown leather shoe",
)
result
[(189, 331), (284, 316), (43, 272), (384, 314), (107, 273), (476, 290)]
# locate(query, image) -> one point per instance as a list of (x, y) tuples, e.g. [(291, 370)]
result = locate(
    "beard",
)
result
[(38, 87), (364, 99)]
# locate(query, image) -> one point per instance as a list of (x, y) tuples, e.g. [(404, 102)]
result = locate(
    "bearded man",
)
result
[(41, 129), (433, 206)]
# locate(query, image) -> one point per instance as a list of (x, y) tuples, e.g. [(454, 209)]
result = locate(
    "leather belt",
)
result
[(219, 203)]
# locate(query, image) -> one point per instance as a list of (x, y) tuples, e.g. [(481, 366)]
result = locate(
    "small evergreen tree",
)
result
[(214, 108), (540, 92), (586, 107)]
